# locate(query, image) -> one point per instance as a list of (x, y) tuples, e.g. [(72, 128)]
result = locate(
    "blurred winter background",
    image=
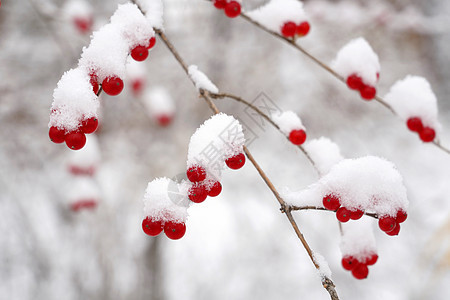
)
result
[(238, 245)]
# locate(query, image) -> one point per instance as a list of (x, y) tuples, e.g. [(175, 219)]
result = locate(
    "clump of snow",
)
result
[(153, 10), (288, 121), (82, 188), (201, 80), (324, 269), (324, 153), (77, 9), (275, 13), (73, 100), (357, 57), (413, 97), (358, 240), (158, 102), (88, 157), (135, 70), (217, 139)]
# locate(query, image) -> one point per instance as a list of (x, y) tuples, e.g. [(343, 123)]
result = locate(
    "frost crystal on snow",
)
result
[(358, 240), (357, 57), (288, 121), (324, 153), (201, 80)]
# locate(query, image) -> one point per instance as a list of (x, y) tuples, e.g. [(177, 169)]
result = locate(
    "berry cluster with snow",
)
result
[(80, 13), (359, 65), (286, 17), (136, 77), (414, 102), (291, 126), (160, 105), (217, 142), (231, 8)]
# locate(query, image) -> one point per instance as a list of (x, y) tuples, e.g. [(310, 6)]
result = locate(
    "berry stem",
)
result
[(311, 207)]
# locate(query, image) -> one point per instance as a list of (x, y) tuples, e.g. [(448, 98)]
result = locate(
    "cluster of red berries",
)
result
[(367, 92), (343, 214), (391, 225), (426, 134), (290, 29), (83, 204), (297, 136), (75, 140), (83, 24), (359, 268), (232, 8), (173, 230)]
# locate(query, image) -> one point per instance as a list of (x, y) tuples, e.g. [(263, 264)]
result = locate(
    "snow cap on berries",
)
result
[(201, 80), (77, 9), (88, 157), (413, 97), (153, 10), (357, 57), (324, 153), (288, 121), (358, 240), (135, 70), (73, 100), (158, 102), (276, 12), (82, 188)]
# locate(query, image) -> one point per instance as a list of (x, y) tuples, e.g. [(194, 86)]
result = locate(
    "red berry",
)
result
[(112, 85), (151, 42), (360, 271), (427, 134), (152, 227), (139, 53), (343, 214), (220, 4), (297, 136), (378, 76), (349, 262), (372, 259), (356, 214), (137, 86), (302, 29), (288, 29), (196, 173), (90, 125), (401, 216), (354, 82), (94, 83), (232, 9), (236, 162), (215, 189), (368, 92), (331, 202), (197, 193), (164, 120), (174, 231), (56, 135), (83, 24), (387, 223), (414, 124), (75, 140), (394, 231)]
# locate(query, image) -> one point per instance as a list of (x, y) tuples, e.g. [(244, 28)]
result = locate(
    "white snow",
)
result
[(201, 80), (413, 97), (324, 269), (275, 13), (357, 57), (82, 188), (87, 157), (288, 121), (135, 70), (77, 9), (324, 153), (153, 10), (159, 102), (358, 239)]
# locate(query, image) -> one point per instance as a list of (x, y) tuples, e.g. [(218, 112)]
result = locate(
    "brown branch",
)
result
[(311, 207)]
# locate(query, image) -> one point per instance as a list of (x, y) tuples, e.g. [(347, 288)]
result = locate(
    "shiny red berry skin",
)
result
[(401, 216), (174, 230), (302, 29), (414, 124), (349, 262), (236, 162), (354, 82), (112, 85), (139, 53), (343, 214), (232, 9), (152, 227), (164, 120), (427, 134), (387, 223), (331, 202), (197, 193), (288, 29), (220, 4), (56, 135), (394, 231), (356, 214), (360, 271), (297, 136), (372, 259), (215, 190), (368, 92), (89, 126), (151, 42), (75, 140), (196, 173)]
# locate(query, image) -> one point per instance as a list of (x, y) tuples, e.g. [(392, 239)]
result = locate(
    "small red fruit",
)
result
[(331, 202), (297, 136), (174, 230), (75, 140), (368, 92), (356, 214), (56, 135), (83, 24), (427, 134), (197, 193), (394, 231), (152, 227), (401, 216), (414, 124), (164, 120), (215, 189), (372, 259), (355, 82), (360, 271), (349, 262), (387, 223), (112, 85), (151, 42), (302, 29), (90, 125), (196, 173), (343, 214), (232, 9), (139, 53), (137, 86), (236, 162), (288, 29), (220, 4)]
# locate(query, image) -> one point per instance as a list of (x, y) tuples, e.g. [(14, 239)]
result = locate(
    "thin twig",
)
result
[(310, 207)]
